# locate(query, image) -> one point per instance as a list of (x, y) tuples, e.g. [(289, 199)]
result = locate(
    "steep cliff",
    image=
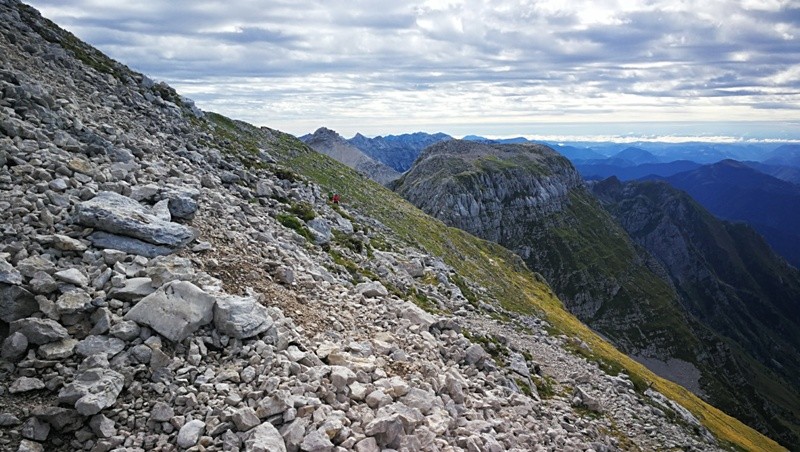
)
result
[(531, 200)]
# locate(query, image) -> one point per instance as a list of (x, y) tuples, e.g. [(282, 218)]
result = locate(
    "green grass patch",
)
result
[(303, 211), (295, 224)]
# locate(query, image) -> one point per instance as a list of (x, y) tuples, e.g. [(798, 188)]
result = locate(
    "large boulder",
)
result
[(117, 214), (241, 317), (372, 289), (176, 310)]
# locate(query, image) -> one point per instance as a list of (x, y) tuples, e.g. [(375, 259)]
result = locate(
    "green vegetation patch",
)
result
[(297, 225)]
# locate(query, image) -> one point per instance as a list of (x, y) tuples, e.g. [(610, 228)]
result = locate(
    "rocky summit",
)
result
[(169, 280)]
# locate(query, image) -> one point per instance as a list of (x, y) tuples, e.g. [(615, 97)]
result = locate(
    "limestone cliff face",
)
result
[(488, 189)]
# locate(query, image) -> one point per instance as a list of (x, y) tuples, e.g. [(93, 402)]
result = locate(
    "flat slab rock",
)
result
[(176, 310), (117, 214), (241, 317)]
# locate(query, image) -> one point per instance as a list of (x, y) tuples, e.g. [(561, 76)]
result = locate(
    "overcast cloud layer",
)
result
[(729, 68)]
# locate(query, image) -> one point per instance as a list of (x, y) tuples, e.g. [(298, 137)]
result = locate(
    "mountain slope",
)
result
[(636, 156), (727, 275), (734, 191), (304, 350), (330, 143), (531, 200), (397, 151)]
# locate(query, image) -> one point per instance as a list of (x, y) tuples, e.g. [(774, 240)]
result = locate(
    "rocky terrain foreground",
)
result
[(156, 293)]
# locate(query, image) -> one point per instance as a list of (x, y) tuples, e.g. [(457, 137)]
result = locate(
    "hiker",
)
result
[(336, 198)]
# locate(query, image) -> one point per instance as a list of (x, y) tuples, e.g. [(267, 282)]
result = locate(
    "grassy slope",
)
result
[(500, 271)]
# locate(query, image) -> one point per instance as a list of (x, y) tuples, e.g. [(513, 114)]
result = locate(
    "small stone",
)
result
[(35, 429), (72, 276), (16, 303), (126, 330), (190, 433), (65, 243), (105, 345), (316, 441), (102, 426), (367, 445), (161, 412), (73, 302), (8, 420), (43, 283), (8, 274), (39, 331), (30, 446), (265, 438), (25, 384), (58, 350), (14, 347), (245, 419)]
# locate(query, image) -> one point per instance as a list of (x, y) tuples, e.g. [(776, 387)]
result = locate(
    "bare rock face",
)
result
[(326, 141), (175, 310)]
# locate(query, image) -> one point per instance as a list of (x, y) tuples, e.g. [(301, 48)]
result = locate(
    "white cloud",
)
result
[(300, 64)]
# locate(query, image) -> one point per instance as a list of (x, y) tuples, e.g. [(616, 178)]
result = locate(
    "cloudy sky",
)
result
[(715, 68)]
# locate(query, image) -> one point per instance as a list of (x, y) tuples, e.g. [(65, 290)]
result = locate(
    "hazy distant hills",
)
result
[(602, 171), (735, 191), (786, 155)]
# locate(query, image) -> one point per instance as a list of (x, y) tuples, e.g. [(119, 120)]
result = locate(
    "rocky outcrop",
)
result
[(330, 143), (492, 191)]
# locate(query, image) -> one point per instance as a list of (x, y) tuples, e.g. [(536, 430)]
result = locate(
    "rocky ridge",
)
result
[(161, 294), (330, 143)]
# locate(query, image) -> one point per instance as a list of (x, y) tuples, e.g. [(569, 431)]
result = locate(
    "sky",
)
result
[(720, 69)]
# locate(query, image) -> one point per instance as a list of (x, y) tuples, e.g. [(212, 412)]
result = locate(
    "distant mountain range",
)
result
[(760, 192), (397, 151)]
